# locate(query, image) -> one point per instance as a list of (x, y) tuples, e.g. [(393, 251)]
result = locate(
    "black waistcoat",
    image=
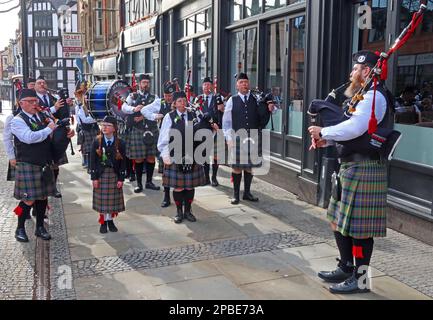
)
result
[(361, 144), (141, 100), (34, 153), (245, 116), (176, 123)]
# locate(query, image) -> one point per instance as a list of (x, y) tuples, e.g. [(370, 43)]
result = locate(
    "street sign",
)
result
[(72, 45)]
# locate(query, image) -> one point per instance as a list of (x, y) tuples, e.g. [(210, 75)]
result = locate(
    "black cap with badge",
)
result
[(365, 57), (110, 119), (242, 76), (207, 79), (169, 88), (178, 95), (143, 77)]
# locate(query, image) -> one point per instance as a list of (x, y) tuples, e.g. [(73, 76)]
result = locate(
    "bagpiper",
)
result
[(180, 171), (213, 110), (88, 127), (142, 134), (34, 180), (107, 172), (156, 112), (244, 113)]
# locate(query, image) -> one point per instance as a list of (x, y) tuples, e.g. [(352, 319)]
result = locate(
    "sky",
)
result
[(8, 23)]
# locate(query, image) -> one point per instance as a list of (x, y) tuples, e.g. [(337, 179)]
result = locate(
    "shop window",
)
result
[(203, 58), (414, 89), (275, 67), (235, 10), (138, 62), (251, 56), (296, 76), (237, 51), (149, 61), (187, 55), (252, 8), (190, 22), (201, 22), (274, 4)]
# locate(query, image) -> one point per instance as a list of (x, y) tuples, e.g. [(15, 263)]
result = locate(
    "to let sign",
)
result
[(72, 45)]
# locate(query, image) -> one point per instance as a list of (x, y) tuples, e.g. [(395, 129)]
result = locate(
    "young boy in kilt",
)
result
[(357, 213), (182, 178), (34, 180), (107, 171)]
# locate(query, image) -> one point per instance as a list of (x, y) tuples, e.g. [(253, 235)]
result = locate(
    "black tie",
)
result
[(46, 101), (109, 143), (245, 99), (35, 119), (207, 102)]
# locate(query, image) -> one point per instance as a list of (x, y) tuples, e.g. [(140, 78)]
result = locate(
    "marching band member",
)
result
[(242, 111), (89, 128), (156, 112), (142, 134), (34, 180), (107, 171), (214, 109), (183, 179)]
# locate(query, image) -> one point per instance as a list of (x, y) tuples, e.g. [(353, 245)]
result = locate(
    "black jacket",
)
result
[(97, 164)]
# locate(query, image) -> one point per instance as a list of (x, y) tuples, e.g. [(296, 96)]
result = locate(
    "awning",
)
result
[(105, 66)]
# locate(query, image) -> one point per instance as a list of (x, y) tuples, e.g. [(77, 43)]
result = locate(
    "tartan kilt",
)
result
[(89, 137), (135, 147), (108, 198), (361, 213), (29, 185), (238, 162), (173, 178)]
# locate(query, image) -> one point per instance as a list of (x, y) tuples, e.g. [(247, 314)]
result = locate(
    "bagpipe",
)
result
[(379, 139), (263, 99)]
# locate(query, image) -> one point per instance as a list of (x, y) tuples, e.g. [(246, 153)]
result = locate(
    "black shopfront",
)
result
[(299, 51)]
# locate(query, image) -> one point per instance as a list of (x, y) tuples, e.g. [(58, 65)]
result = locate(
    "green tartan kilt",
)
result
[(89, 137), (29, 185), (135, 146), (108, 198), (173, 178), (361, 213)]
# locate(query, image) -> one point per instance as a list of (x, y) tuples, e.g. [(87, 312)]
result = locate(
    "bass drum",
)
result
[(106, 98)]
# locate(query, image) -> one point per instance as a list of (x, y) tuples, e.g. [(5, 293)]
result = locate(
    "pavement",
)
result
[(272, 249)]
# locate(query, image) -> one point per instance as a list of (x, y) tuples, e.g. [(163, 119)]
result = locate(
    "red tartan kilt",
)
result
[(173, 178), (108, 198)]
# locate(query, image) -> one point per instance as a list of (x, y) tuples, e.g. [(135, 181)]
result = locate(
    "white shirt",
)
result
[(164, 133), (52, 108), (227, 117), (357, 125), (22, 131), (81, 115), (8, 138), (128, 107)]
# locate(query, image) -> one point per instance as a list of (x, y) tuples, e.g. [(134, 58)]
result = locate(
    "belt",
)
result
[(357, 157)]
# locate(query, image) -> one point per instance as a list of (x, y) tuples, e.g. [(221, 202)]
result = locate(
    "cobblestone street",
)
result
[(270, 250)]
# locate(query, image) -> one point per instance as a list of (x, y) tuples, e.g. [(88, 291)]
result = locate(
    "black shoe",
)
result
[(250, 197), (348, 286), (215, 182), (179, 216), (235, 201), (42, 233), (20, 235), (189, 216), (138, 188), (151, 186), (337, 275), (165, 203), (103, 228), (111, 226)]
